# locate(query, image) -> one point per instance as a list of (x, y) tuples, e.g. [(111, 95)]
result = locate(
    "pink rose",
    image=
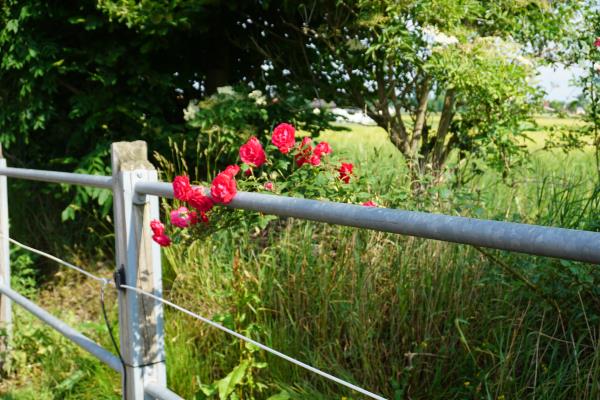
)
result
[(322, 148), (269, 186), (345, 171), (162, 240), (284, 137), (231, 170), (223, 188), (157, 227), (369, 203), (199, 200), (182, 187), (252, 153), (315, 160), (181, 217), (597, 42)]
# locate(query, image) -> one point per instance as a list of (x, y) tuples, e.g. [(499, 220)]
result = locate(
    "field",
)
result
[(404, 317)]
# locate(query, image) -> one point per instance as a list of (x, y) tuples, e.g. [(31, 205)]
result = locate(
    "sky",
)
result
[(556, 81)]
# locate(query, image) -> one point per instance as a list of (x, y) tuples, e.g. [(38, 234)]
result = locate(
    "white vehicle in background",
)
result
[(353, 115)]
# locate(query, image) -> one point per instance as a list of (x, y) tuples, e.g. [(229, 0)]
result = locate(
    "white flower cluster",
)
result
[(226, 90), (189, 113), (434, 37), (508, 50), (267, 66), (258, 97)]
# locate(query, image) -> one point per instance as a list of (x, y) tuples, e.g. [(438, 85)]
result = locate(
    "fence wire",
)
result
[(257, 344), (104, 281), (216, 325)]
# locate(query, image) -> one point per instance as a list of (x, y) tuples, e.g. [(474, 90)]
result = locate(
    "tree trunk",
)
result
[(439, 153), (423, 98)]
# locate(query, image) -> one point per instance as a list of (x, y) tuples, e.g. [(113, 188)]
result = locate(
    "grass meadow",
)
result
[(404, 317)]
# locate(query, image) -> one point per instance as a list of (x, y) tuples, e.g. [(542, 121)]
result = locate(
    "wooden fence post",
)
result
[(5, 303), (138, 257)]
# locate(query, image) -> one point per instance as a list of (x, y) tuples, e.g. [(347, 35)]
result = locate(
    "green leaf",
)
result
[(68, 214), (234, 378), (283, 395)]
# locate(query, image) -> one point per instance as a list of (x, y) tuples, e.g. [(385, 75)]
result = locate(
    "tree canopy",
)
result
[(392, 58), (76, 76)]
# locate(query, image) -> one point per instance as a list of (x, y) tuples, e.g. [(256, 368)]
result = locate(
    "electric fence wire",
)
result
[(105, 282), (255, 343)]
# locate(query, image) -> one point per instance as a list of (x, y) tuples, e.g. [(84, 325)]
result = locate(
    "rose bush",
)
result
[(292, 168)]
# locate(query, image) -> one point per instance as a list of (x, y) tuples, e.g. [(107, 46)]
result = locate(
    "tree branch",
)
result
[(423, 99), (440, 152)]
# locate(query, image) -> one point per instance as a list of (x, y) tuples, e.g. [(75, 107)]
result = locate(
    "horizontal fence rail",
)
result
[(80, 339), (563, 243), (99, 181), (135, 178)]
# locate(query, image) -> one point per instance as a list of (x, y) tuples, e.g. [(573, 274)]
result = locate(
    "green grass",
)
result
[(404, 317)]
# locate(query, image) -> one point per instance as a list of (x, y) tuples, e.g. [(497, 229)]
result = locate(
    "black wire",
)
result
[(116, 346), (112, 338)]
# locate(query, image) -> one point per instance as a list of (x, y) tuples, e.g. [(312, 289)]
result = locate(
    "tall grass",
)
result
[(408, 318)]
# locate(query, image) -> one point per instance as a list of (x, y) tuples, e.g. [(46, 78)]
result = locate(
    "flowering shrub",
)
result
[(222, 122), (298, 168)]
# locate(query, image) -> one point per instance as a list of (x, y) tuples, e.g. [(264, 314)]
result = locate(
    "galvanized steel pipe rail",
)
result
[(83, 341), (563, 243), (531, 239), (99, 181)]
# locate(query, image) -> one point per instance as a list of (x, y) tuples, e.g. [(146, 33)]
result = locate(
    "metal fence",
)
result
[(136, 190)]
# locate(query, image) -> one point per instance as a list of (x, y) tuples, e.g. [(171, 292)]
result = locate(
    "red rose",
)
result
[(248, 172), (199, 200), (182, 187), (162, 240), (345, 172), (232, 170), (284, 137), (193, 217), (204, 217), (597, 42), (252, 152), (157, 227), (315, 160), (269, 186), (369, 203), (304, 152), (223, 188), (322, 148)]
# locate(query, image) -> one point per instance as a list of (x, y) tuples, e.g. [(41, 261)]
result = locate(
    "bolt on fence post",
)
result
[(5, 302), (140, 319)]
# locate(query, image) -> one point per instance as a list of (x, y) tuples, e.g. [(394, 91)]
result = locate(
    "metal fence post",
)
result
[(5, 302), (140, 318)]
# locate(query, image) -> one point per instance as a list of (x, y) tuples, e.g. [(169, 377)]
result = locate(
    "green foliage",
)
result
[(579, 48), (23, 274), (389, 57), (400, 316), (227, 119)]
